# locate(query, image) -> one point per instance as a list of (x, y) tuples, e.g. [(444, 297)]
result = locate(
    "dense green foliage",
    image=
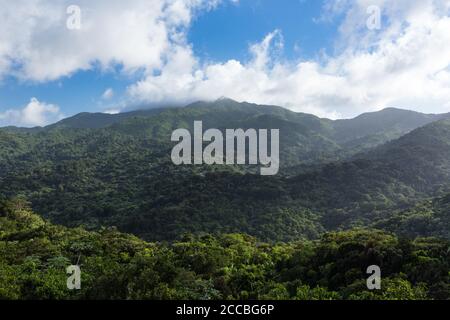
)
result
[(350, 193), (34, 255), (428, 218), (102, 170)]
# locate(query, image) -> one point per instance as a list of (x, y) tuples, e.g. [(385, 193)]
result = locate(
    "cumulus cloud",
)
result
[(34, 114), (404, 64), (263, 79), (36, 44)]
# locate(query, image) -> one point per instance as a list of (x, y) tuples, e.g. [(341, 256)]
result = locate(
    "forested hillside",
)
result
[(98, 171), (34, 255), (427, 218), (224, 155)]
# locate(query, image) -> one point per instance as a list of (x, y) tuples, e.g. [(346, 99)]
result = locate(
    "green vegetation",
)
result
[(120, 174), (431, 217), (351, 193), (35, 253)]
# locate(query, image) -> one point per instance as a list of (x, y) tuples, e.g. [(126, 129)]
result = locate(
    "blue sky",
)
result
[(218, 35), (307, 55), (227, 32), (76, 93)]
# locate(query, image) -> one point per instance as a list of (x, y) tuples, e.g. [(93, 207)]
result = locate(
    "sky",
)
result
[(331, 58)]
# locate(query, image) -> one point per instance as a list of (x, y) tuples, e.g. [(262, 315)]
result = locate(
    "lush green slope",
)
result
[(121, 174), (34, 255), (305, 139), (387, 124), (428, 218), (384, 125), (339, 195), (398, 173)]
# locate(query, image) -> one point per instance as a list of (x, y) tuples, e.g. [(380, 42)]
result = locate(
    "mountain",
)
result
[(100, 120), (367, 124), (120, 173), (305, 139), (371, 184), (345, 194), (389, 123)]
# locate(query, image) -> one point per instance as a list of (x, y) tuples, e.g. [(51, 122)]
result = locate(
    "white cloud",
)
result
[(108, 94), (34, 114), (112, 111), (405, 64), (35, 43)]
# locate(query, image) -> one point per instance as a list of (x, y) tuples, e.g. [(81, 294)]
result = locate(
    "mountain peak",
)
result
[(399, 110), (388, 110), (223, 98)]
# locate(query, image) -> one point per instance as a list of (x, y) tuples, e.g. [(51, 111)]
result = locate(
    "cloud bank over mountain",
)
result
[(404, 63)]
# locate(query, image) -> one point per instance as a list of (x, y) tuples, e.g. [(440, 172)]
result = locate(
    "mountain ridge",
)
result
[(320, 139), (91, 117), (122, 176)]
